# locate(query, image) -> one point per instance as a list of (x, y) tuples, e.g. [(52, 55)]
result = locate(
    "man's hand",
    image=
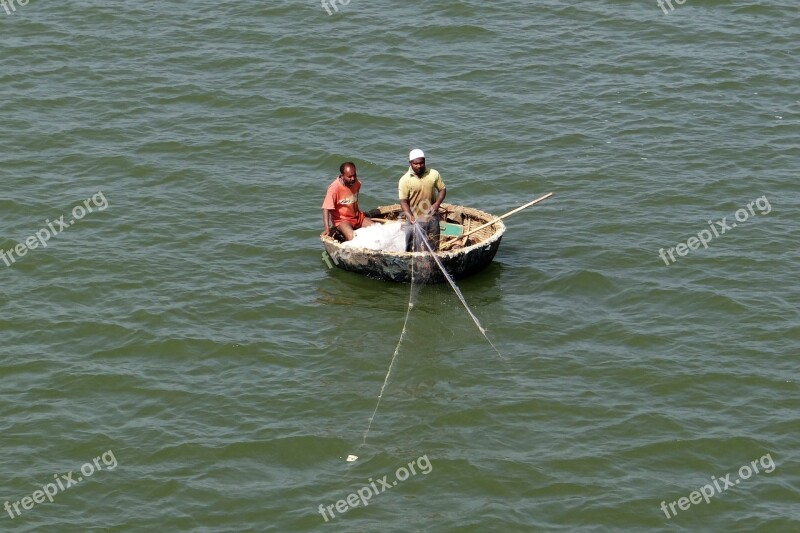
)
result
[(407, 210)]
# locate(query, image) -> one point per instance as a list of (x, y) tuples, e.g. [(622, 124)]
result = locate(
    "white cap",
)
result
[(416, 153)]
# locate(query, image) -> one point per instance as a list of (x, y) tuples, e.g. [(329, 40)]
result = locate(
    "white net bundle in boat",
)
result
[(388, 237)]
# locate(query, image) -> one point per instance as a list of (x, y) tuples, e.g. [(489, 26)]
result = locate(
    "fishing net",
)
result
[(388, 237), (424, 264), (421, 266)]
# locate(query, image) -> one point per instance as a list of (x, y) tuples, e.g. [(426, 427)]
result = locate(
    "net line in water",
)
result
[(452, 283), (411, 297), (414, 291)]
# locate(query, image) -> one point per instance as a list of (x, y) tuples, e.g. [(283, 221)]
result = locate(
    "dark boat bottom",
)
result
[(398, 267)]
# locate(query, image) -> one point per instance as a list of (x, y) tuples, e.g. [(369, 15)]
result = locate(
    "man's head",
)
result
[(416, 158), (347, 172)]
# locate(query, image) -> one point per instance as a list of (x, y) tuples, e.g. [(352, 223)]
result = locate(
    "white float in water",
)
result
[(351, 458)]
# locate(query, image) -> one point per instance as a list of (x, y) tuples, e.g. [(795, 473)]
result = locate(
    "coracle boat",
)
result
[(460, 256)]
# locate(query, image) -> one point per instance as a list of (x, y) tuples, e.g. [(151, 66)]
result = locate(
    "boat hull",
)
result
[(397, 266)]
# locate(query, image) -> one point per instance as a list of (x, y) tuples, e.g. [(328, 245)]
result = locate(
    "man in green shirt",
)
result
[(421, 192)]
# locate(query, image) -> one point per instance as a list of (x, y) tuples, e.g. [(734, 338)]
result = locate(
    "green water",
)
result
[(192, 329)]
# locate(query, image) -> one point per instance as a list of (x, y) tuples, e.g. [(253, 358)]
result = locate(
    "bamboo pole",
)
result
[(501, 217)]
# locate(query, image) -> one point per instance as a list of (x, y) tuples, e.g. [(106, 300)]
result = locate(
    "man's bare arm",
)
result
[(327, 221), (438, 202)]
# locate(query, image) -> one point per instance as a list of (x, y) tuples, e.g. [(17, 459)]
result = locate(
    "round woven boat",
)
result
[(460, 256)]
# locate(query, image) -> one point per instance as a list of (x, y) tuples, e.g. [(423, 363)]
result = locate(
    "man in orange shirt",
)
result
[(340, 207)]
